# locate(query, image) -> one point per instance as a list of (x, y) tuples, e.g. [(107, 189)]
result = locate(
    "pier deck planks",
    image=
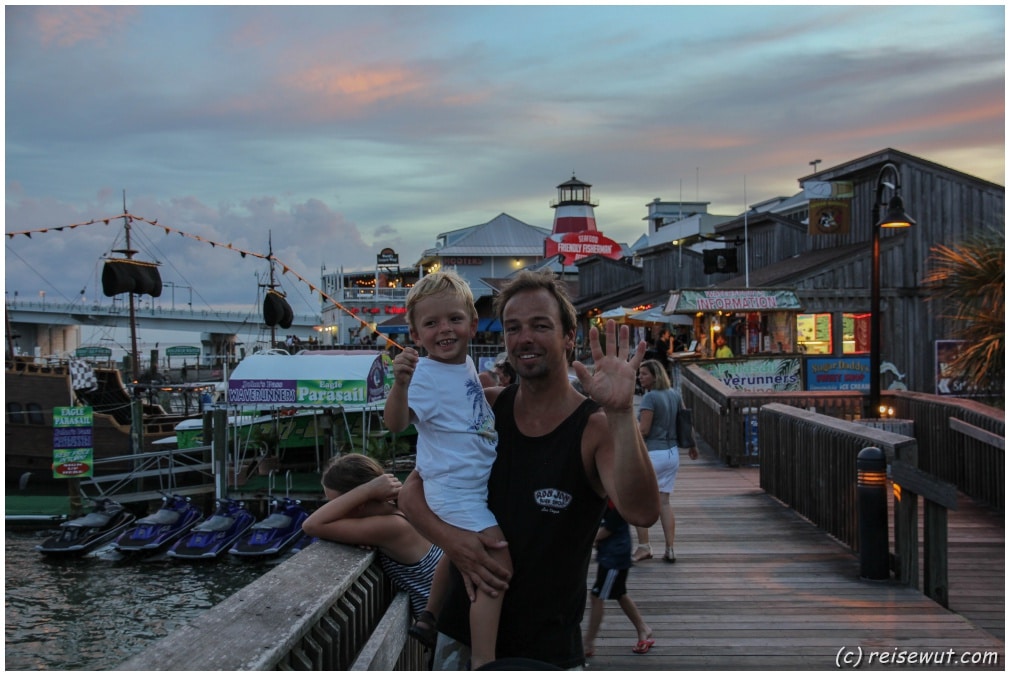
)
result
[(756, 586)]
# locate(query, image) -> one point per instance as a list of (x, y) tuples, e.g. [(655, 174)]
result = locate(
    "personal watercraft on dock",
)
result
[(86, 533), (303, 542), (156, 532), (215, 535), (278, 531)]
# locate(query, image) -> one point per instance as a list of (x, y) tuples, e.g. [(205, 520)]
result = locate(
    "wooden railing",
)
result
[(723, 415), (809, 462), (960, 442), (806, 444), (329, 607)]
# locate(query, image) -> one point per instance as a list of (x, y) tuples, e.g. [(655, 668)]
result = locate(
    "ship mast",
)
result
[(129, 253), (273, 283), (136, 407)]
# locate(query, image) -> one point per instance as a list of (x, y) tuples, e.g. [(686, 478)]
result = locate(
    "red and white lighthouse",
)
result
[(573, 210), (574, 235)]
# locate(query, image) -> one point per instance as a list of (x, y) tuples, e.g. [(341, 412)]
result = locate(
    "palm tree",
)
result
[(967, 281)]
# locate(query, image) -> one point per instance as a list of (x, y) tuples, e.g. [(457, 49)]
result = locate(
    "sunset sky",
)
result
[(341, 130)]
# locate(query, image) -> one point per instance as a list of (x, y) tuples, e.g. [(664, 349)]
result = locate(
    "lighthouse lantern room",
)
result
[(573, 210)]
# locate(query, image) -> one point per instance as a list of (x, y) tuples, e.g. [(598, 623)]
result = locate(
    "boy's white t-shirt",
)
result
[(456, 437)]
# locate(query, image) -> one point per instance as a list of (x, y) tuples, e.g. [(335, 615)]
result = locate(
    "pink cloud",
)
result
[(66, 26), (340, 88)]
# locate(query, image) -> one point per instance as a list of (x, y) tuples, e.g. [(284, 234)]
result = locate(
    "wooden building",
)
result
[(830, 265)]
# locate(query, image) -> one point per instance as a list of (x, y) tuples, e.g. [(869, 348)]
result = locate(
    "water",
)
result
[(92, 613)]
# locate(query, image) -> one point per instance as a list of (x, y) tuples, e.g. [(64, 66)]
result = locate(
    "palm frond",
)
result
[(967, 284)]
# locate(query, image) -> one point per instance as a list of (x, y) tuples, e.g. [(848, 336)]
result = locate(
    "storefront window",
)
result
[(855, 333), (815, 333)]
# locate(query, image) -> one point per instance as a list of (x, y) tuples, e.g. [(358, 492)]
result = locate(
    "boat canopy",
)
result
[(274, 381)]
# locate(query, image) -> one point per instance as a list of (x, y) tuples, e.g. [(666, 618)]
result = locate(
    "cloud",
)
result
[(340, 130), (64, 27)]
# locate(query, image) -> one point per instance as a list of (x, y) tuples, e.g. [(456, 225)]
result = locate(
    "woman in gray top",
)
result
[(657, 420)]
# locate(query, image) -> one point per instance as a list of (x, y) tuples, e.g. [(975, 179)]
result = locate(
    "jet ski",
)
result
[(84, 534), (278, 531), (156, 532), (215, 535), (303, 542)]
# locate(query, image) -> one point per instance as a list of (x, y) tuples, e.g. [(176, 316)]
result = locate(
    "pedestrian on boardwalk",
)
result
[(657, 420), (361, 510), (560, 455), (613, 557), (662, 347)]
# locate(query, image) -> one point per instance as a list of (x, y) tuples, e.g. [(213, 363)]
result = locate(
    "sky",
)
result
[(337, 131)]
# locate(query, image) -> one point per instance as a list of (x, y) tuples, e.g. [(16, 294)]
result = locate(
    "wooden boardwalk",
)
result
[(756, 586)]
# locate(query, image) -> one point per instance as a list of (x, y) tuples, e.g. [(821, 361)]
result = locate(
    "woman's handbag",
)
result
[(685, 428)]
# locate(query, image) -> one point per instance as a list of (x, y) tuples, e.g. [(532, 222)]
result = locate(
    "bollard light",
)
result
[(871, 482)]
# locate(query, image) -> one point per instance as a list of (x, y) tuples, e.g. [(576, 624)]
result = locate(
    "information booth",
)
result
[(758, 326)]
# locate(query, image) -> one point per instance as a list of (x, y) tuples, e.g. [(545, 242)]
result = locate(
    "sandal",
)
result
[(642, 647), (425, 629), (641, 553), (669, 556)]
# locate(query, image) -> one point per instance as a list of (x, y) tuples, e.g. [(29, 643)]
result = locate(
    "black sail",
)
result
[(276, 311), (130, 276)]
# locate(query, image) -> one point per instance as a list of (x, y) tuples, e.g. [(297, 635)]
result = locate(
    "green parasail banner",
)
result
[(73, 452)]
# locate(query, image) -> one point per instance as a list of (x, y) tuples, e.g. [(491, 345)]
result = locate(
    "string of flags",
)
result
[(285, 269)]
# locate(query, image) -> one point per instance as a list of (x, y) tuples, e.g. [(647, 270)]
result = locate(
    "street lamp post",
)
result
[(171, 284), (895, 217)]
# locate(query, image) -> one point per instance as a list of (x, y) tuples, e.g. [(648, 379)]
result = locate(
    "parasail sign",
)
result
[(576, 245), (73, 453)]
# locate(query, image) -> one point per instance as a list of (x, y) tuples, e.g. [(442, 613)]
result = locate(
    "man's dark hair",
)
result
[(527, 280)]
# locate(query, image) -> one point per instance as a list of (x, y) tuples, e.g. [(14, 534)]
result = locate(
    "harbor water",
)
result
[(93, 612)]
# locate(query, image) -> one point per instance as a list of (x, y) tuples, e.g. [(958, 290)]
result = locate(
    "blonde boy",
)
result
[(442, 395)]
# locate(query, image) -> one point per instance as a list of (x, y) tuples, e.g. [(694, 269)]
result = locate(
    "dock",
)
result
[(756, 586)]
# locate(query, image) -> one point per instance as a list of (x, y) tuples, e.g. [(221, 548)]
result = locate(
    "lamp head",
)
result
[(896, 216)]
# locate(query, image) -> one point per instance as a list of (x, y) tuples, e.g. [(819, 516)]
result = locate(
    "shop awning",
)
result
[(655, 316), (689, 301)]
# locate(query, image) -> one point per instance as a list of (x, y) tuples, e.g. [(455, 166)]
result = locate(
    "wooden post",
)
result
[(219, 452), (938, 496), (74, 494), (935, 584), (137, 432), (906, 536)]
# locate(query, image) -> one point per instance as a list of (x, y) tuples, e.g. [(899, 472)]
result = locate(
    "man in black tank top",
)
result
[(559, 456)]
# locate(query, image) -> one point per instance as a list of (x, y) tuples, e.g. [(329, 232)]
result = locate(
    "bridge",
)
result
[(53, 328), (117, 314)]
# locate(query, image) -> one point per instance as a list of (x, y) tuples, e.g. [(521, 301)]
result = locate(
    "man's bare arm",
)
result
[(620, 456), (466, 549)]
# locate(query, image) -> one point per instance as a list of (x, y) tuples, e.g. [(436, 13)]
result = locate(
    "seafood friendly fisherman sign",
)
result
[(73, 454)]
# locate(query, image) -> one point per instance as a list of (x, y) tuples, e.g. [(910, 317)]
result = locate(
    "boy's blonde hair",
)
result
[(443, 281)]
